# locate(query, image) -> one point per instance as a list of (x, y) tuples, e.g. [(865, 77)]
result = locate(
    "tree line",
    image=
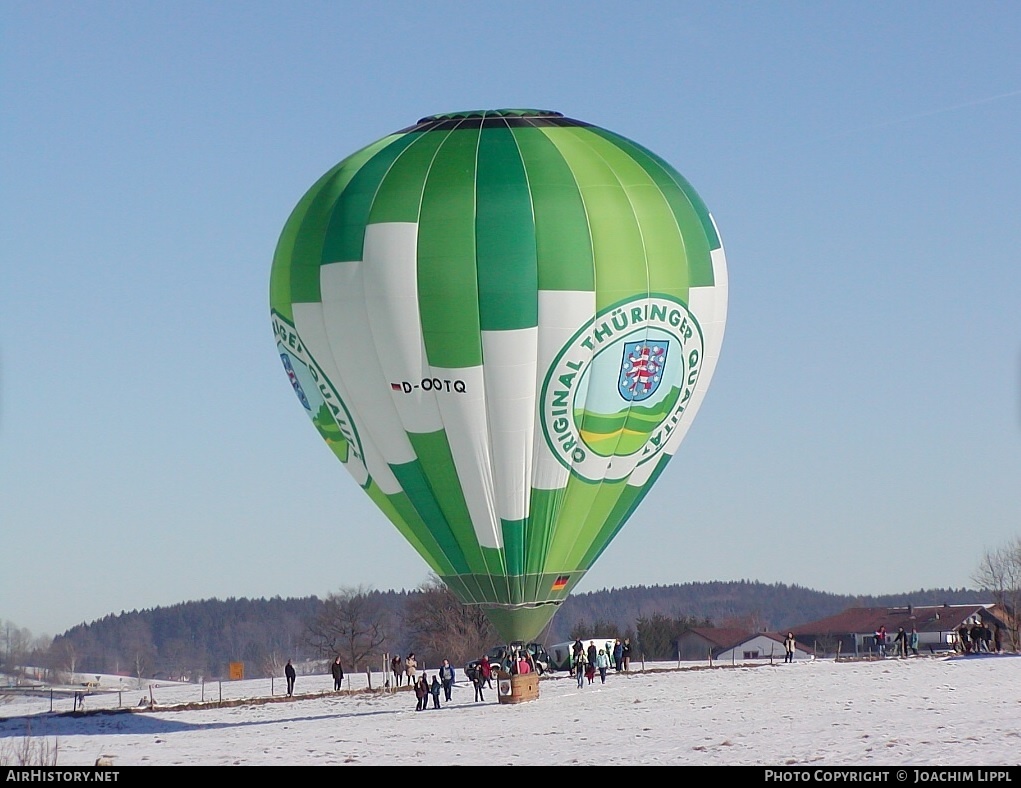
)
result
[(200, 640)]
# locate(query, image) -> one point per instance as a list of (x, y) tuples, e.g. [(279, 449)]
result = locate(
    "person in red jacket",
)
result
[(486, 670)]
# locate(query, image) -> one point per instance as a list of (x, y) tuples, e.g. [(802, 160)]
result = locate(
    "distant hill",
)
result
[(201, 638), (742, 603)]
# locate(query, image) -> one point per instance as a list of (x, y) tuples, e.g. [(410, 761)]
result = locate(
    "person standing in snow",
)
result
[(338, 673), (475, 677), (602, 663), (789, 644), (447, 679), (435, 690), (421, 694), (977, 641), (962, 639), (290, 674), (900, 642)]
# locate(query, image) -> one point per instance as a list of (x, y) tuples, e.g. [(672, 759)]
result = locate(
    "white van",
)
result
[(561, 655)]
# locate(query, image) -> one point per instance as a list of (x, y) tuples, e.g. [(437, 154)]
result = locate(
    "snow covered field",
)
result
[(952, 711)]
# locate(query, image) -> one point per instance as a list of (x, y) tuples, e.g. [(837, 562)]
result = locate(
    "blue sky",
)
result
[(863, 163)]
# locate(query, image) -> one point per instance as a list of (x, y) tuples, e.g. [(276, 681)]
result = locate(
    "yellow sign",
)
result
[(237, 671)]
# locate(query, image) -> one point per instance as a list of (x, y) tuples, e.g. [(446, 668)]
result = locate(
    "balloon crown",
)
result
[(491, 113)]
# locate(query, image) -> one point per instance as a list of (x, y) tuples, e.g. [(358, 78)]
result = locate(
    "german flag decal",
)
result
[(560, 583)]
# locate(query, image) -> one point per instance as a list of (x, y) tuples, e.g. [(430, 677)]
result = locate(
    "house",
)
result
[(721, 644), (852, 632)]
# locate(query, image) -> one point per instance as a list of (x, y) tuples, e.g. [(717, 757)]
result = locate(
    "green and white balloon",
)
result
[(502, 322)]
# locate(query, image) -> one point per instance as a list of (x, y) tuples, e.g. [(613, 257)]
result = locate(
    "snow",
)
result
[(926, 711)]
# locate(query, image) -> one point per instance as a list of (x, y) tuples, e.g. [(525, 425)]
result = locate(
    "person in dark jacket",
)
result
[(435, 690), (290, 674), (447, 679), (900, 643), (421, 693), (626, 653), (962, 639), (338, 673), (475, 677), (978, 641)]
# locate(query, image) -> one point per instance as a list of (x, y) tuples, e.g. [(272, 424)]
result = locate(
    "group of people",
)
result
[(979, 639), (586, 662), (903, 642), (404, 669), (336, 670), (481, 677), (425, 689)]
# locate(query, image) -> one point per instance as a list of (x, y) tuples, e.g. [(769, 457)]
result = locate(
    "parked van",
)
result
[(561, 656)]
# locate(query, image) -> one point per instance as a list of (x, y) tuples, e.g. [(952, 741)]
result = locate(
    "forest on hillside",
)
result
[(200, 639)]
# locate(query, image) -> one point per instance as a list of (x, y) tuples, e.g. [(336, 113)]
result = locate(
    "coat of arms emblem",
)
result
[(641, 369)]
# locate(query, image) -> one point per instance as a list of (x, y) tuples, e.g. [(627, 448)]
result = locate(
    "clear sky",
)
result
[(863, 163)]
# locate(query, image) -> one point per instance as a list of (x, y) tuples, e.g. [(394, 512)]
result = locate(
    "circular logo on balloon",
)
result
[(620, 386)]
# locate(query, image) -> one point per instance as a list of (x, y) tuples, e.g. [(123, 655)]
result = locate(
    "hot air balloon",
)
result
[(502, 323)]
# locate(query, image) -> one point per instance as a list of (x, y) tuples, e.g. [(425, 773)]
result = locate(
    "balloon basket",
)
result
[(517, 688)]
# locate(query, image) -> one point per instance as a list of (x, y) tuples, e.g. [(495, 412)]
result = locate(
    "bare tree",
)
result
[(999, 572), (16, 643), (272, 664), (353, 624), (64, 656), (138, 647), (443, 627)]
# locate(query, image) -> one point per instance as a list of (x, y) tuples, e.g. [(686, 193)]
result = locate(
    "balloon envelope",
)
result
[(502, 323)]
